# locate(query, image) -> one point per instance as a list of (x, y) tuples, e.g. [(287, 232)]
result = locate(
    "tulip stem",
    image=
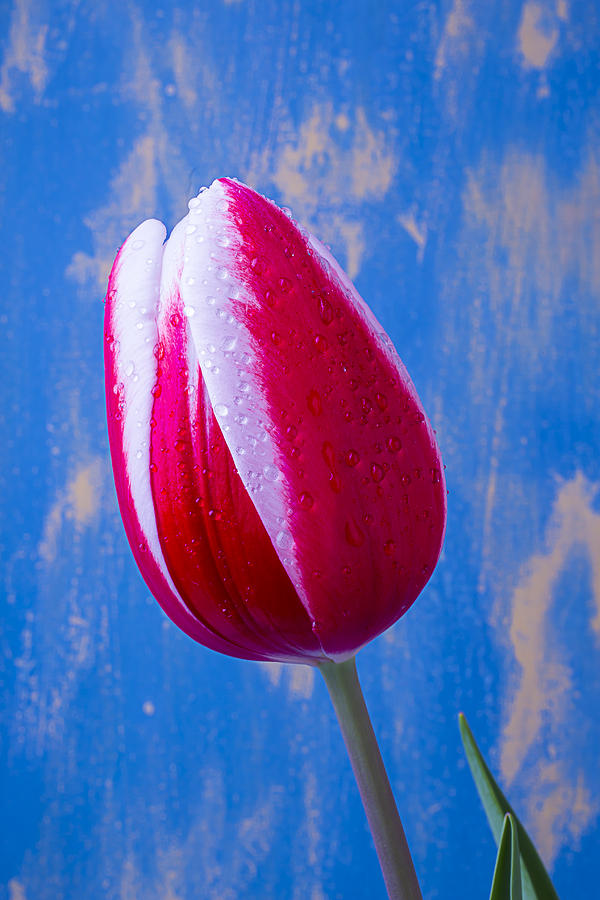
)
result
[(373, 783)]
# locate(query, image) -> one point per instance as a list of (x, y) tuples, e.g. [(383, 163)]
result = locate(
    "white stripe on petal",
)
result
[(211, 291), (137, 283)]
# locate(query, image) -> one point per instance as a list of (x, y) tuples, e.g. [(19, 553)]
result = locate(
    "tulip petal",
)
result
[(319, 415), (130, 364), (214, 543)]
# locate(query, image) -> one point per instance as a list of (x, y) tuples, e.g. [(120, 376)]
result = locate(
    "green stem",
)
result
[(390, 841)]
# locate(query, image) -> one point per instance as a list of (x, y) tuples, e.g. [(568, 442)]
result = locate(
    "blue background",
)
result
[(449, 152)]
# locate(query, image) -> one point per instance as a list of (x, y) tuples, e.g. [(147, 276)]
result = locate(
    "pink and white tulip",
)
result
[(280, 485)]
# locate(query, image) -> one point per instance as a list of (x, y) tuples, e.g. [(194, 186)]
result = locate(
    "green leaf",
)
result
[(507, 874), (535, 880)]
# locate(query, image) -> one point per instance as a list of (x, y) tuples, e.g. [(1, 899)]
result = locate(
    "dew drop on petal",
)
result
[(189, 311), (377, 472), (354, 535), (325, 311), (284, 540), (130, 369), (352, 458), (271, 473), (221, 409), (306, 500), (137, 245), (314, 403), (228, 343)]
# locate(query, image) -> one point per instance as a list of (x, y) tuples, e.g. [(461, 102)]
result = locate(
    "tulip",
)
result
[(280, 486)]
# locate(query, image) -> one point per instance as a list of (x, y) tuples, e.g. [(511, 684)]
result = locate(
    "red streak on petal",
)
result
[(148, 566), (217, 550), (347, 401)]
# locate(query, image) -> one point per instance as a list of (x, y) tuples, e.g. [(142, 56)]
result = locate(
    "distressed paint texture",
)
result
[(449, 154)]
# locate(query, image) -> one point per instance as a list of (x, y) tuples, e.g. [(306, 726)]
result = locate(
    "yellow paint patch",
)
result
[(456, 40), (545, 681), (16, 890), (300, 680), (534, 235), (334, 163), (417, 232), (133, 199), (79, 502), (25, 53), (537, 37)]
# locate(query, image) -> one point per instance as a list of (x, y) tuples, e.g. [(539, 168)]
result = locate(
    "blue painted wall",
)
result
[(449, 153)]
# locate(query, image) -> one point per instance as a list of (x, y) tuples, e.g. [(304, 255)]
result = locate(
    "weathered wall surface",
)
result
[(449, 153)]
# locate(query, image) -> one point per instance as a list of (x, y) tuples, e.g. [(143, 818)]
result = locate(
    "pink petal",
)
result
[(318, 413), (215, 546), (130, 364)]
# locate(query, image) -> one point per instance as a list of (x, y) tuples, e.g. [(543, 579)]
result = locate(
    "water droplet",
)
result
[(189, 311), (377, 472), (139, 325), (131, 304), (137, 245), (138, 455), (221, 409), (325, 311), (291, 432), (194, 202), (306, 500), (435, 476), (222, 205), (156, 390), (175, 320), (388, 548), (365, 404), (347, 571), (228, 343), (222, 273), (284, 540), (271, 473), (354, 535), (190, 281), (335, 482), (223, 240), (285, 285), (314, 403), (190, 229), (328, 454), (321, 343), (394, 444), (259, 265), (381, 400), (352, 458), (406, 480)]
